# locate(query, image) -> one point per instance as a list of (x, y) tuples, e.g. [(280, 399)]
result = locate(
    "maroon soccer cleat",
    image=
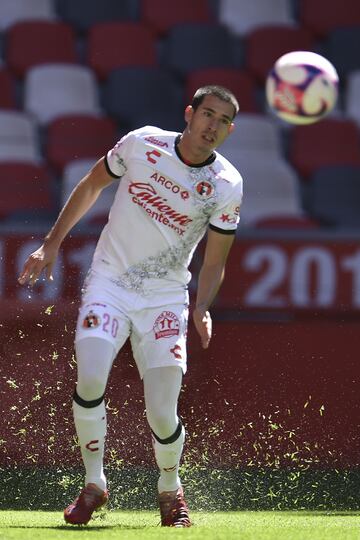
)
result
[(91, 498), (173, 509)]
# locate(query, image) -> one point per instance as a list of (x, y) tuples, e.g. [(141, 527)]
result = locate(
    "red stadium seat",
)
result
[(26, 189), (161, 18), (322, 16), (118, 44), (78, 137), (33, 43), (239, 82), (265, 45), (329, 142), (7, 90)]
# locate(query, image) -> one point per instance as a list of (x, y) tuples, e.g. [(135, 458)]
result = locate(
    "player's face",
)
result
[(209, 125)]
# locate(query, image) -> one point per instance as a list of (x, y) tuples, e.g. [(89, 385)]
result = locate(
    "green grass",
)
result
[(141, 525)]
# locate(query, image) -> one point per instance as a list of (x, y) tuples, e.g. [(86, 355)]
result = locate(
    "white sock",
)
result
[(91, 430), (168, 460)]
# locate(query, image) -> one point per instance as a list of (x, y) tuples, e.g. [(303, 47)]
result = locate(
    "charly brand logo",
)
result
[(150, 156), (176, 351), (90, 446), (166, 325), (91, 320)]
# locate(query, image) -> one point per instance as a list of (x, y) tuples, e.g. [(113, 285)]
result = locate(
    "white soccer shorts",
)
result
[(156, 324)]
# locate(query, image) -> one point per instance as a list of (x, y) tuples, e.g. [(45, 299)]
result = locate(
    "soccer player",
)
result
[(173, 188)]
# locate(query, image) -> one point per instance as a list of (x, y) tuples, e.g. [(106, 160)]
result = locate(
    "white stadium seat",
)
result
[(73, 172), (253, 133), (271, 189), (13, 11), (352, 96), (242, 16), (18, 137), (53, 90)]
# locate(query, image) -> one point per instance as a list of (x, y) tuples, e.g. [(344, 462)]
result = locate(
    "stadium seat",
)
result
[(352, 96), (160, 101), (243, 16), (342, 48), (77, 137), (7, 90), (55, 90), (13, 11), (189, 47), (18, 137), (265, 45), (82, 14), (73, 172), (255, 137), (335, 196), (332, 141), (109, 47), (160, 18), (26, 191), (239, 82), (322, 17), (271, 189), (32, 43)]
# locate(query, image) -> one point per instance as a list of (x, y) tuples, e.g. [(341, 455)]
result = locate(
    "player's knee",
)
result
[(91, 386), (161, 422), (86, 404), (177, 436)]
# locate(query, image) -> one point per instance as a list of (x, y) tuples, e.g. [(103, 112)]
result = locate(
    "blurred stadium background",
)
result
[(274, 404)]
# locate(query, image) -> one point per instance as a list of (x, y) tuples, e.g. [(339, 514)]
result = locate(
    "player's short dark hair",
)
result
[(214, 90)]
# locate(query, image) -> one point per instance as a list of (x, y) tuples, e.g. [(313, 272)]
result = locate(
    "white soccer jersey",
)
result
[(161, 210)]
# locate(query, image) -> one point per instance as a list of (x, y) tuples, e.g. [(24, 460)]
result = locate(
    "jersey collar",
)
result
[(208, 161)]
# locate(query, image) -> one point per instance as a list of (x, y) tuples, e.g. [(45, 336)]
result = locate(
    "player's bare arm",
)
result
[(81, 199), (210, 278)]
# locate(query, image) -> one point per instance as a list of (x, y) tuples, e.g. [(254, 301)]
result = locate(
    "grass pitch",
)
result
[(141, 525)]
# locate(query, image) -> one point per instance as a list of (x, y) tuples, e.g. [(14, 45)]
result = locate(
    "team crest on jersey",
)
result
[(166, 325), (91, 320), (204, 188)]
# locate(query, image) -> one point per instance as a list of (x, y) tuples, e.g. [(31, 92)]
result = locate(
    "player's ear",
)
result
[(189, 111), (231, 127)]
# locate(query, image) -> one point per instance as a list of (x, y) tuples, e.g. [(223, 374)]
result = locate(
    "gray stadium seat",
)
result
[(198, 46), (84, 13), (150, 106), (335, 196)]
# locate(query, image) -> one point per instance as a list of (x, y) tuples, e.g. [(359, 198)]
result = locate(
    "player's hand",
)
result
[(41, 259), (203, 325)]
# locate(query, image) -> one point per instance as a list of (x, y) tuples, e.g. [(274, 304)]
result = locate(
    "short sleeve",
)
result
[(226, 216), (116, 158)]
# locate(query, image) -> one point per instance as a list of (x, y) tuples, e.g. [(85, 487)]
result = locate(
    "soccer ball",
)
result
[(302, 87)]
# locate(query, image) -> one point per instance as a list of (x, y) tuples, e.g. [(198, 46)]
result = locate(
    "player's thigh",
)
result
[(103, 312), (158, 337)]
